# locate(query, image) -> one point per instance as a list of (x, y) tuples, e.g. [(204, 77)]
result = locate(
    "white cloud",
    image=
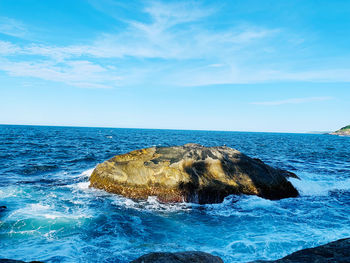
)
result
[(160, 38), (218, 65), (233, 73), (166, 15), (12, 27), (187, 53), (74, 73), (292, 101), (7, 48)]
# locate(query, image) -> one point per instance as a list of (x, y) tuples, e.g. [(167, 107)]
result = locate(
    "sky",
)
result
[(239, 65)]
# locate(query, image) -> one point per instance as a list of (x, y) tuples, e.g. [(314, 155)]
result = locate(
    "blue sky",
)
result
[(219, 65)]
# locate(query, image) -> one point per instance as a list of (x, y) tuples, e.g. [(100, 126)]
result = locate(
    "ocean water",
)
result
[(52, 215)]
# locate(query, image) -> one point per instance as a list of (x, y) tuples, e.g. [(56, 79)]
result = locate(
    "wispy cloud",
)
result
[(232, 73), (292, 101), (163, 14), (7, 48), (187, 51), (77, 73), (162, 37), (12, 27)]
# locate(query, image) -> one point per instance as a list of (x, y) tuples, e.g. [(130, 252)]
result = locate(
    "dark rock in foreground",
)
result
[(179, 257), (334, 252), (190, 173)]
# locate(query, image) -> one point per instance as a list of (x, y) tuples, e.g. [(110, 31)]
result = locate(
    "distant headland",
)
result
[(345, 131)]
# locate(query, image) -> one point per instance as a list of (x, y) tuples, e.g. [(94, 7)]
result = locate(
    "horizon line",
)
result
[(172, 129)]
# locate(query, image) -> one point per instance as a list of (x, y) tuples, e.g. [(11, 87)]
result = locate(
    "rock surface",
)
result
[(190, 173), (334, 252), (179, 257), (345, 131)]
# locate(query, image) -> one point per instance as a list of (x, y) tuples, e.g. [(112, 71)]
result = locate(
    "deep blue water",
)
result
[(53, 216)]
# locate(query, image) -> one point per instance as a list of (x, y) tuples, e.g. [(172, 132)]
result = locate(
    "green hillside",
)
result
[(345, 128), (345, 131)]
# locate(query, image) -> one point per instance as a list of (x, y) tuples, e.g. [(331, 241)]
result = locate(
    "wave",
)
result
[(87, 173), (311, 187), (231, 205), (83, 179), (152, 205), (38, 210)]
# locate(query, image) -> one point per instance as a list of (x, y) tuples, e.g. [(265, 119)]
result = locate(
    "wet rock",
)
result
[(179, 257), (190, 173), (335, 252)]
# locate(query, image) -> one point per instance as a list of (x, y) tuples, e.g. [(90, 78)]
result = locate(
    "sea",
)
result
[(52, 215)]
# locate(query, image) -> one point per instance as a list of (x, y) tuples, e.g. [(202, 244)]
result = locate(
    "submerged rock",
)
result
[(335, 252), (190, 173), (179, 257)]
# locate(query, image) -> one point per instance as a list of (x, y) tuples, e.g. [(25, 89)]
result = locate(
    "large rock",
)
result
[(179, 257), (334, 252), (190, 173)]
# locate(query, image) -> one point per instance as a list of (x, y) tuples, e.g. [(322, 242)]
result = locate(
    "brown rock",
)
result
[(190, 173)]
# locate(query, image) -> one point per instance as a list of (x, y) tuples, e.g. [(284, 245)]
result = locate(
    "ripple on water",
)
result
[(53, 215)]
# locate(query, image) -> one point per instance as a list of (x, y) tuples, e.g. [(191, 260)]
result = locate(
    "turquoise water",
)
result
[(53, 216)]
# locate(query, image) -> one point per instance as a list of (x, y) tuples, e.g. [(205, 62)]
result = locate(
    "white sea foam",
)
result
[(87, 173), (151, 204), (83, 185), (39, 207), (5, 194), (52, 233), (10, 191), (40, 210), (310, 187), (239, 205), (342, 185)]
